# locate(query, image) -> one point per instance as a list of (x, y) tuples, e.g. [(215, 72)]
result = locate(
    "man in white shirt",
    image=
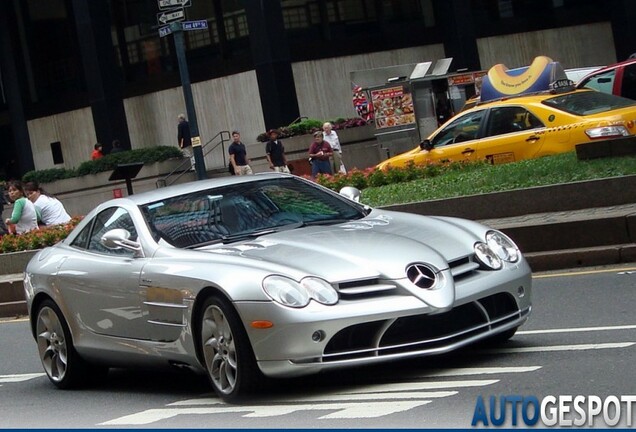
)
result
[(331, 137)]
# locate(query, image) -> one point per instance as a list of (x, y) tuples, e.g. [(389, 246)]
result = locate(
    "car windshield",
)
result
[(246, 210), (588, 102)]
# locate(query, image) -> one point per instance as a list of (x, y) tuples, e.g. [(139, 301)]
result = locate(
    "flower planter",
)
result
[(15, 262), (92, 181)]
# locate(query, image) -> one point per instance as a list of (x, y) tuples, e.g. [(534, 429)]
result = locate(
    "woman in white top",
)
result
[(24, 216), (52, 211)]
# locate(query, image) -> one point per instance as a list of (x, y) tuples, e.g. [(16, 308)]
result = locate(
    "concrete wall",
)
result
[(575, 46), (73, 129), (323, 88), (228, 103)]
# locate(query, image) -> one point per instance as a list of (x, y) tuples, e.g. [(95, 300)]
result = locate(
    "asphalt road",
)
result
[(580, 340)]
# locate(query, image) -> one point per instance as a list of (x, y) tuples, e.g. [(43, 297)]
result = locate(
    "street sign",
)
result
[(170, 4), (171, 16), (164, 31), (195, 25)]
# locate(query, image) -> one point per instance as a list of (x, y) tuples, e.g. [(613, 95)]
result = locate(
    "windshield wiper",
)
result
[(230, 238), (326, 221)]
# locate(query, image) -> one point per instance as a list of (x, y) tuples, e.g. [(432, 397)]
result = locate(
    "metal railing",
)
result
[(186, 165)]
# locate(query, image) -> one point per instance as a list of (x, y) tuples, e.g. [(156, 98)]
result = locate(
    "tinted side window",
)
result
[(628, 88), (464, 128), (511, 119), (107, 220), (81, 241), (603, 82)]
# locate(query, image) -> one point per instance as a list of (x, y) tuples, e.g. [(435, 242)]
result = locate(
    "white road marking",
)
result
[(553, 348), (577, 329), (329, 398), (19, 377), (415, 386), (385, 393), (370, 401), (343, 410), (478, 371)]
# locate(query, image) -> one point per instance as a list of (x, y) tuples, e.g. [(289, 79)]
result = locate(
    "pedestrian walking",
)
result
[(331, 137), (275, 153), (319, 153), (184, 138), (238, 155)]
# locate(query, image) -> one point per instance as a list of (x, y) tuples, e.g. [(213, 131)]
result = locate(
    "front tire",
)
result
[(63, 366), (229, 359)]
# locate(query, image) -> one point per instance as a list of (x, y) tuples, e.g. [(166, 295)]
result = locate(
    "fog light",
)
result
[(521, 291), (318, 336)]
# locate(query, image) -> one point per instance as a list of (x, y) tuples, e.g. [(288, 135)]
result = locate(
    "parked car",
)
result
[(525, 127), (269, 275), (618, 79)]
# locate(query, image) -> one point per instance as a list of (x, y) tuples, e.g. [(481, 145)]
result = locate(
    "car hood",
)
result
[(399, 160), (380, 245)]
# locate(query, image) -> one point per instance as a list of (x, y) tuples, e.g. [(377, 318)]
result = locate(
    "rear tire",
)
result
[(227, 353)]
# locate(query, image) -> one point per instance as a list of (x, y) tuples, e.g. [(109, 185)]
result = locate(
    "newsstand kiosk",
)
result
[(408, 102)]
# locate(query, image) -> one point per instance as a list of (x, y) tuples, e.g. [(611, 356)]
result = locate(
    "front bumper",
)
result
[(356, 332)]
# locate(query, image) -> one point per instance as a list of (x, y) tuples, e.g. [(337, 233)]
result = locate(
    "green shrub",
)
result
[(305, 127), (107, 163), (49, 175)]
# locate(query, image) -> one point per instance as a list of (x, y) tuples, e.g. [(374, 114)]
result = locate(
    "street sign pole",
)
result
[(179, 45)]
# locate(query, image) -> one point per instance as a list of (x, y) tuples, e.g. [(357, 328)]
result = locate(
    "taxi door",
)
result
[(512, 133), (456, 141)]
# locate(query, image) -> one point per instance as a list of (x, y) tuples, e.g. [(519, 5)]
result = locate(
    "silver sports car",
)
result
[(266, 275)]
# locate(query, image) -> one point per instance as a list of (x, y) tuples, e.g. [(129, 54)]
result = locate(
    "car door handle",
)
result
[(468, 151), (532, 138)]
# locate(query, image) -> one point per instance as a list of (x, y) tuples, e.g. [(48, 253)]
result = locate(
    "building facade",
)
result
[(76, 72)]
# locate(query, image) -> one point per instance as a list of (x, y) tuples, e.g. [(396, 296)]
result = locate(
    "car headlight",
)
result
[(288, 292), (320, 290), (487, 256), (606, 132), (501, 244)]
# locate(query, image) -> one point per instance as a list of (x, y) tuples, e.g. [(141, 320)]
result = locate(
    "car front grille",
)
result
[(461, 269), (423, 332)]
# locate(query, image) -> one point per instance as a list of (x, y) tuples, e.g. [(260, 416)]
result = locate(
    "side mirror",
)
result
[(120, 238), (426, 145), (350, 192)]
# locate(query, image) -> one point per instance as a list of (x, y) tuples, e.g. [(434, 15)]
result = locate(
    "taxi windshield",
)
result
[(588, 102)]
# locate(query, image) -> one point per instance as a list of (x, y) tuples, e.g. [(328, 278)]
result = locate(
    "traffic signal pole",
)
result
[(179, 44)]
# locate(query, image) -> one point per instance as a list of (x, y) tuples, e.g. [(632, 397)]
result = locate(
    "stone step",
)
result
[(12, 298)]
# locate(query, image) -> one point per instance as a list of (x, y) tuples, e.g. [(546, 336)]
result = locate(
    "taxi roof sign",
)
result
[(543, 74)]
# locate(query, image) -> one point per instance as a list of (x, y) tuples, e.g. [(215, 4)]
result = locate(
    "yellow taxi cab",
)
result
[(514, 128)]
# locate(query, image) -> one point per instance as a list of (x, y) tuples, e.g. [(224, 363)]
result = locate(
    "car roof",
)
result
[(525, 98), (607, 68)]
